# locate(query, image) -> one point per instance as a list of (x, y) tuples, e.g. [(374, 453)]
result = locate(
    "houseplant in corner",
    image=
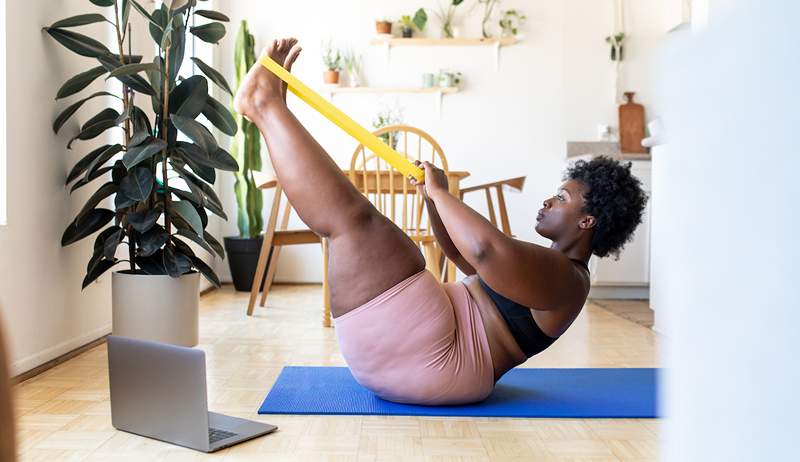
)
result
[(162, 186), (243, 250)]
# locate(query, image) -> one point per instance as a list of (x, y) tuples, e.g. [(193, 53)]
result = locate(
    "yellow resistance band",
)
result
[(332, 113)]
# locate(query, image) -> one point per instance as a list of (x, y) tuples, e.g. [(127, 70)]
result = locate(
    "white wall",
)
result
[(732, 368), (41, 303), (556, 85)]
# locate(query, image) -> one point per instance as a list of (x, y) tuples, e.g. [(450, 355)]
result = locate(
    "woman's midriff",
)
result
[(505, 352)]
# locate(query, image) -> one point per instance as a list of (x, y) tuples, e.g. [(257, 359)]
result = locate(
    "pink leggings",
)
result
[(420, 342)]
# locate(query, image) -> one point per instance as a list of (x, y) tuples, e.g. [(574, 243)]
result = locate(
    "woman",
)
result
[(404, 335)]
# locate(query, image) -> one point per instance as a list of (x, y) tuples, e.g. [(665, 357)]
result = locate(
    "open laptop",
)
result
[(159, 391)]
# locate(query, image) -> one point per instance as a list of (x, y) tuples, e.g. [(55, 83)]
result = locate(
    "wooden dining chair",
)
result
[(392, 194), (275, 237), (513, 184)]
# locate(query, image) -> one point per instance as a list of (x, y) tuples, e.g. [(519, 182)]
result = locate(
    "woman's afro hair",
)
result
[(614, 197)]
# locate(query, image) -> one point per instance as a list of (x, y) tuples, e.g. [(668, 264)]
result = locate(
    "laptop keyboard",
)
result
[(215, 434)]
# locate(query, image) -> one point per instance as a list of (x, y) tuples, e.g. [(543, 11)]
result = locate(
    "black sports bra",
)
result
[(519, 319)]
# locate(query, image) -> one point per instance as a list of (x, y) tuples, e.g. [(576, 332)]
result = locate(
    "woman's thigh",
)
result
[(366, 258)]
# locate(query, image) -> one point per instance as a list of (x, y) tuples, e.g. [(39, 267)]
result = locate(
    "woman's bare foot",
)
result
[(261, 87)]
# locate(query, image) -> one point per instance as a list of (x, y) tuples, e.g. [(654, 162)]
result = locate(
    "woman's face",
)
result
[(562, 215)]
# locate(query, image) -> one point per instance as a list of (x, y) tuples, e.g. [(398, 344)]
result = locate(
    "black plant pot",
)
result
[(408, 32), (242, 253)]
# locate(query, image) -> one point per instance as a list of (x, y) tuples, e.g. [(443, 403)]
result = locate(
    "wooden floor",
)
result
[(637, 311), (63, 413)]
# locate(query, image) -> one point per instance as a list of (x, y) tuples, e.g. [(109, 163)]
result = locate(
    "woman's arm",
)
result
[(530, 274), (444, 240)]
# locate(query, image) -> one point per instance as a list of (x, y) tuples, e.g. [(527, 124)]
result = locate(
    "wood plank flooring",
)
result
[(64, 413)]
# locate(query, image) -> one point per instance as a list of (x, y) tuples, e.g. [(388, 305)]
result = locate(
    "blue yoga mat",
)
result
[(576, 393)]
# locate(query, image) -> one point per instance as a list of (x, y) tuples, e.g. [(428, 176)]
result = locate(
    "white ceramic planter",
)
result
[(158, 308)]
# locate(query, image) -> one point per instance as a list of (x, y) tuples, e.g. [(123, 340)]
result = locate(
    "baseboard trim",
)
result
[(25, 369)]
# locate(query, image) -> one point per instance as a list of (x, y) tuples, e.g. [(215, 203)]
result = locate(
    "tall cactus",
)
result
[(246, 147)]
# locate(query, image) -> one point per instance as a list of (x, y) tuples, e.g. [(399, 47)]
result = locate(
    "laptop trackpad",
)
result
[(242, 429)]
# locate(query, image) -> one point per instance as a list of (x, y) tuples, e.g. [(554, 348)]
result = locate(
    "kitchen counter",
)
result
[(601, 148)]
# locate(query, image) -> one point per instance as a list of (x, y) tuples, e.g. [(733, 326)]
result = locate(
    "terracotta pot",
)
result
[(331, 77), (383, 27)]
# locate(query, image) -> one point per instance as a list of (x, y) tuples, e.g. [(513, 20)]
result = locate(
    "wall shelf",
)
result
[(389, 42), (438, 91)]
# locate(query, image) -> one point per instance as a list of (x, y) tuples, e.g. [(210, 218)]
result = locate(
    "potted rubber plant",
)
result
[(408, 23), (242, 250), (162, 185), (332, 59)]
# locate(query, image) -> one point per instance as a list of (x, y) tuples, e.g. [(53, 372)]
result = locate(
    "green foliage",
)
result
[(246, 147), (161, 187), (331, 57), (511, 21)]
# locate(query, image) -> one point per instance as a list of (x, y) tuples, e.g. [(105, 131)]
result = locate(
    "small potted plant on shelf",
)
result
[(385, 117), (511, 22), (161, 183), (242, 250), (449, 79), (352, 65), (408, 23), (383, 26), (446, 15), (616, 46), (332, 59)]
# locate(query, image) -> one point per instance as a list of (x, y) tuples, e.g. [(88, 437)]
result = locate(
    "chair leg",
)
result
[(326, 295), (273, 261), (259, 276), (263, 255), (432, 259)]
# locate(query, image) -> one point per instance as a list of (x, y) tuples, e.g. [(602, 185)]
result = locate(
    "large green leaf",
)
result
[(121, 201), (73, 108), (79, 20), (152, 241), (176, 263), (206, 271), (100, 241), (196, 132), (93, 127), (79, 82), (179, 6), (97, 270), (210, 33), (144, 220), (78, 43), (135, 82), (220, 116), (103, 2), (138, 184), (144, 12), (205, 172), (186, 211), (212, 74), (104, 157), (147, 149), (93, 221), (102, 193), (157, 82), (214, 243), (83, 181), (112, 242), (129, 69), (215, 15), (126, 13), (177, 44), (189, 98), (84, 163), (188, 233), (220, 159)]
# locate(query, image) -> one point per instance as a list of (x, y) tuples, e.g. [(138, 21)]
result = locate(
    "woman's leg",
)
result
[(367, 252)]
